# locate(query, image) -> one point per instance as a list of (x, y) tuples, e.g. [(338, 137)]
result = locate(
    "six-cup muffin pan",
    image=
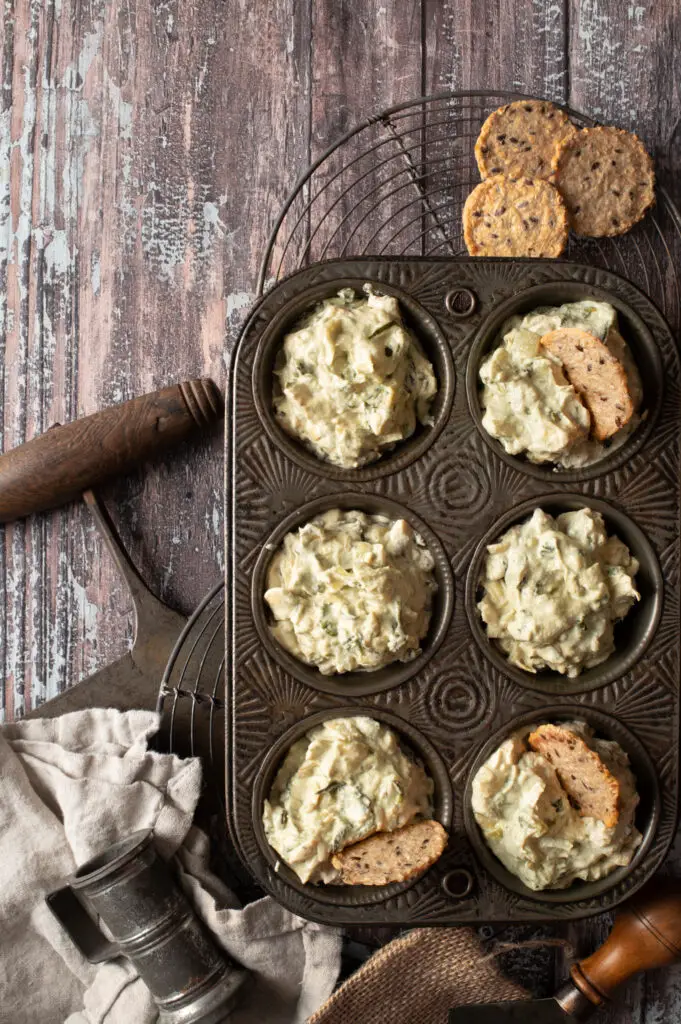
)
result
[(457, 701)]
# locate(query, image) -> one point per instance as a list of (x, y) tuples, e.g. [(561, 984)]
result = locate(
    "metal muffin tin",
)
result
[(414, 744), (632, 634), (647, 812), (434, 345), (460, 490), (355, 683)]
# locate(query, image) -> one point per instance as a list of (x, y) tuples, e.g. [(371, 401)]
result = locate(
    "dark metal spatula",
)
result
[(646, 934)]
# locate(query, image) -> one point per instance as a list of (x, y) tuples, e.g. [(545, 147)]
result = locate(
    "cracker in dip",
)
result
[(553, 590), (351, 380), (351, 592), (529, 404), (343, 781), (528, 822)]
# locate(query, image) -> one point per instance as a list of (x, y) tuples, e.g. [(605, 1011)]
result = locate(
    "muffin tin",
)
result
[(413, 743), (460, 490), (355, 683), (632, 634)]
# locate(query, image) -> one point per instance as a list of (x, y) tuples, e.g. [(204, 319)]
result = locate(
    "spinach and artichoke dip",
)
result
[(352, 380), (529, 823), (342, 781), (529, 404), (553, 589), (351, 592)]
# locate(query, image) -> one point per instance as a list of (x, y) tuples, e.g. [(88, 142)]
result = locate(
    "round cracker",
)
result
[(392, 856), (607, 180), (515, 217), (521, 139), (596, 375), (587, 780)]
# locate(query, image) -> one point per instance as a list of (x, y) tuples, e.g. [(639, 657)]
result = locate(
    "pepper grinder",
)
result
[(133, 893)]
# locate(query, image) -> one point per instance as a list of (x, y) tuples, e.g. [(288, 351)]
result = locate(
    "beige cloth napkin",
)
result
[(417, 979), (71, 786)]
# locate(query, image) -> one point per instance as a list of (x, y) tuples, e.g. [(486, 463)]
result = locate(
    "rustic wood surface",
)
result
[(145, 149)]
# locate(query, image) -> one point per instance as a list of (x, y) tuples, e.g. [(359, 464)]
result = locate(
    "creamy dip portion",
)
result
[(529, 823), (351, 591), (529, 404), (344, 780), (553, 589), (352, 379)]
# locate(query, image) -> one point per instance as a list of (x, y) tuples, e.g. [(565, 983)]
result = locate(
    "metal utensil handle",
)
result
[(80, 927), (59, 465)]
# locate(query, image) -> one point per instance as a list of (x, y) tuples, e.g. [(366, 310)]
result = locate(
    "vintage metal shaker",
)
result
[(132, 892)]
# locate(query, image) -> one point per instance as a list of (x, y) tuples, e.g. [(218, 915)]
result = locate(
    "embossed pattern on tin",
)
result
[(460, 487)]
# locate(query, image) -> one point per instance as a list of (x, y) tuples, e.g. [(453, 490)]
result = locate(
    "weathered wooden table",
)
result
[(145, 149)]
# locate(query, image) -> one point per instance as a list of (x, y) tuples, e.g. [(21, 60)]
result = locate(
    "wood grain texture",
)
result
[(496, 45), (151, 145), (145, 149)]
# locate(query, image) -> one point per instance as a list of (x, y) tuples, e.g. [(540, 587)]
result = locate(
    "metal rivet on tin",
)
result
[(461, 302), (458, 883)]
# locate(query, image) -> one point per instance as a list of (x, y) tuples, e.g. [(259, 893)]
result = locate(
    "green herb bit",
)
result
[(332, 787), (382, 328)]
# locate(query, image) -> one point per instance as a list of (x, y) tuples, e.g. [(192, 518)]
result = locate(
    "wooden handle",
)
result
[(59, 465), (646, 934)]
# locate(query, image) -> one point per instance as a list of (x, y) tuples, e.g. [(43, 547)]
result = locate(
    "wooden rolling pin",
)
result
[(59, 465), (646, 934)]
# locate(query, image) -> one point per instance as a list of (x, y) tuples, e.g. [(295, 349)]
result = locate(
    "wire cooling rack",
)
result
[(393, 185)]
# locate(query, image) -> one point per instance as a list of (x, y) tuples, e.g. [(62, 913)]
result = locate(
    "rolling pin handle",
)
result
[(65, 461), (646, 934)]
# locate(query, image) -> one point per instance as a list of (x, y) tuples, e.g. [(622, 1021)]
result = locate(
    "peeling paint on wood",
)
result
[(145, 149), (481, 45)]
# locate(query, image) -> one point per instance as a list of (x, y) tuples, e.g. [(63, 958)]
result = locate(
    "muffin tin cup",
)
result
[(412, 742), (647, 813), (432, 340), (464, 491), (632, 634), (634, 331), (354, 684)]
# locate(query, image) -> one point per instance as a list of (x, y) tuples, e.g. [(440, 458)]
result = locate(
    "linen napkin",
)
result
[(73, 785)]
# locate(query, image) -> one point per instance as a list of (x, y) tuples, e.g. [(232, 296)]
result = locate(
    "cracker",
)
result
[(392, 856), (596, 375), (515, 217), (620, 350), (521, 139), (592, 788), (607, 180)]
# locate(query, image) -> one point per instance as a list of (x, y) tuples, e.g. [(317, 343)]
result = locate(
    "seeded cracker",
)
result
[(515, 217), (607, 180), (521, 139), (392, 856), (597, 376), (589, 783)]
